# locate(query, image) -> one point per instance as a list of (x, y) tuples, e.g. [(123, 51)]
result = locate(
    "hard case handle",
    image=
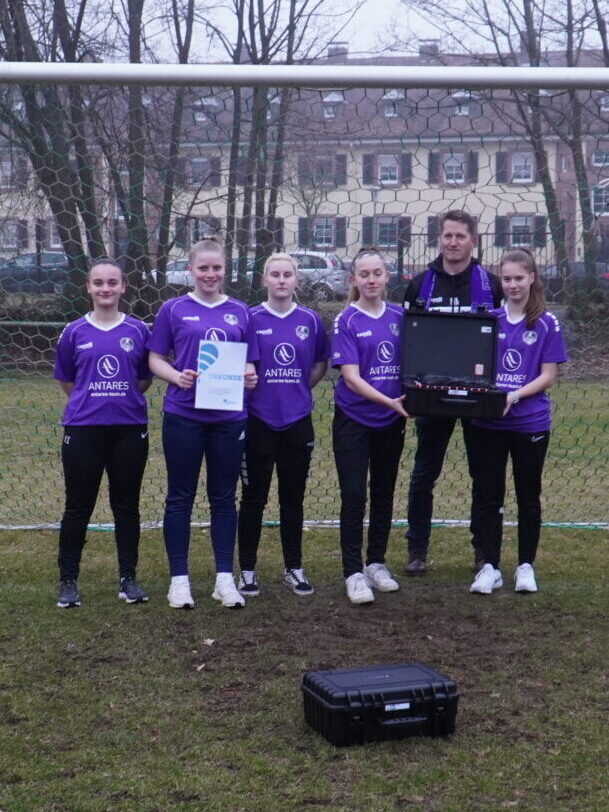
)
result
[(402, 721)]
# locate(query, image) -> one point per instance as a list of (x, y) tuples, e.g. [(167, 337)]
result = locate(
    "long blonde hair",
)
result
[(367, 251), (536, 303)]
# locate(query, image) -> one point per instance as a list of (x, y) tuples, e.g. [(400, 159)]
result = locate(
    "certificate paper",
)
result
[(220, 367)]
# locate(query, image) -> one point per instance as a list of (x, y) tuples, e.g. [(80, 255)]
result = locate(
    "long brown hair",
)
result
[(536, 303), (367, 251)]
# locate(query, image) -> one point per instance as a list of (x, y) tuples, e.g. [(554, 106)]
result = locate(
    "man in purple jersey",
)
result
[(454, 282), (294, 354)]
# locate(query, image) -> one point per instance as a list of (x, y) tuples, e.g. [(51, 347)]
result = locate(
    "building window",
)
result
[(522, 167), (199, 170), (202, 227), (323, 231), (6, 172), (600, 200), (9, 234), (603, 103), (600, 157), (391, 110), (565, 163), (454, 170), (54, 238), (332, 102), (521, 231), (387, 231), (388, 169), (199, 115)]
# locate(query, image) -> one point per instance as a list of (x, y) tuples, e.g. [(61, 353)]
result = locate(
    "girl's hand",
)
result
[(186, 378), (398, 406), (510, 399), (250, 379)]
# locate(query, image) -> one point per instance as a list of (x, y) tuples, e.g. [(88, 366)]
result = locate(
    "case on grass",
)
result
[(357, 705), (448, 364)]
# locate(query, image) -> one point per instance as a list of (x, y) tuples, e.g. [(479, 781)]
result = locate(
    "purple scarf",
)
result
[(481, 293)]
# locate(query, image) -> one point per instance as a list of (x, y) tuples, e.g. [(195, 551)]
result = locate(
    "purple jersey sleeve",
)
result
[(322, 345), (65, 369)]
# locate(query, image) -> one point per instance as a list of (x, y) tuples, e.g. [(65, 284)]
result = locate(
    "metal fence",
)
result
[(317, 163)]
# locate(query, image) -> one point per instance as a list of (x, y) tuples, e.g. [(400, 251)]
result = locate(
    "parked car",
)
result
[(176, 273), (36, 272), (323, 277), (577, 269), (398, 280)]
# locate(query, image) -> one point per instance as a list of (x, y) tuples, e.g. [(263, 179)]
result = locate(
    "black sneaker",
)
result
[(295, 580), (68, 596), (417, 565), (130, 591), (248, 584)]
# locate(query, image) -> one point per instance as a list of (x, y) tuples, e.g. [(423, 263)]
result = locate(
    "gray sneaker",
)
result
[(131, 592), (68, 596)]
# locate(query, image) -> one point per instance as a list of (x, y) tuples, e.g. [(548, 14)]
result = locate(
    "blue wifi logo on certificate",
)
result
[(220, 369)]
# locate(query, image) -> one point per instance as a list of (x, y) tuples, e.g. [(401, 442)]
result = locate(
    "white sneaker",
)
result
[(358, 590), (486, 580), (225, 591), (524, 579), (379, 577), (179, 596)]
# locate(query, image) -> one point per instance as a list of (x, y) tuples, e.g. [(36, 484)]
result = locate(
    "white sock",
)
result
[(178, 580)]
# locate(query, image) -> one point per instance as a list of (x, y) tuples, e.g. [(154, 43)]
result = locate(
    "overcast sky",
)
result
[(378, 18)]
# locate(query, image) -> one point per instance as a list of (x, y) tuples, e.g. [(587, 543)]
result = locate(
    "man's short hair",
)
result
[(459, 216)]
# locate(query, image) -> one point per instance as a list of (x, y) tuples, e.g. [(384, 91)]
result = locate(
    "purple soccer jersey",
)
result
[(180, 325), (289, 344), (520, 353), (104, 365), (373, 344)]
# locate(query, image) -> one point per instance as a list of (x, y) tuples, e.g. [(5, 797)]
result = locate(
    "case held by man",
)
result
[(448, 364)]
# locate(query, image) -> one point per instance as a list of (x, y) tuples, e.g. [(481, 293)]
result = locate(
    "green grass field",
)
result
[(576, 478), (143, 708)]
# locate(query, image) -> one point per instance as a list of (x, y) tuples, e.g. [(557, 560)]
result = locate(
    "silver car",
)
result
[(323, 277)]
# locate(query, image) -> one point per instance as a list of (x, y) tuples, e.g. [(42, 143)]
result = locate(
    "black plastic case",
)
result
[(448, 364), (357, 705)]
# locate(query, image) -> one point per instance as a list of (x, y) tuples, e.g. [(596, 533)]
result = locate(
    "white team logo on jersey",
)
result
[(302, 331), (108, 366), (126, 344), (230, 318), (512, 360), (529, 337), (215, 334), (384, 352), (395, 328), (284, 354)]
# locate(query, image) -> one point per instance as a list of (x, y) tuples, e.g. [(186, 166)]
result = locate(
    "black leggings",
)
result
[(358, 448), (489, 451), (290, 450), (86, 452)]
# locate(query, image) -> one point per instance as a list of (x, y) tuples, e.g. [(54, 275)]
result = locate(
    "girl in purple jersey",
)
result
[(368, 425), (191, 433), (294, 352), (102, 365), (530, 347)]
